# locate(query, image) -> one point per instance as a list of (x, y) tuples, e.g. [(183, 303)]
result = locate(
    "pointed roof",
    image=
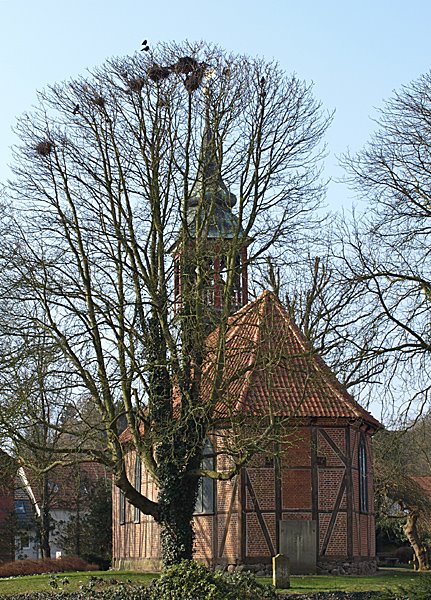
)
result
[(209, 186), (65, 484), (270, 367)]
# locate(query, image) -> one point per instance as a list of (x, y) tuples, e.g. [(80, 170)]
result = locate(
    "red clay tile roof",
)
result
[(269, 366), (66, 483), (126, 435)]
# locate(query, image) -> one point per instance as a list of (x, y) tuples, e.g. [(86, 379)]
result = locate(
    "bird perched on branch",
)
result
[(76, 109), (145, 46)]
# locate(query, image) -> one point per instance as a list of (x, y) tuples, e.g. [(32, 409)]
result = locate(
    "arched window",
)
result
[(363, 475), (205, 500), (137, 483)]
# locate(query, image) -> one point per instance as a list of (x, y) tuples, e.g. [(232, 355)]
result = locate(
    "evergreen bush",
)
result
[(189, 580)]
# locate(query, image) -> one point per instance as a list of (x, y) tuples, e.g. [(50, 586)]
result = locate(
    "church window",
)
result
[(205, 499), (137, 512), (122, 507), (363, 475)]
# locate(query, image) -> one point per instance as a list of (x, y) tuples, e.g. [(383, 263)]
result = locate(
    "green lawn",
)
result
[(384, 579), (40, 583)]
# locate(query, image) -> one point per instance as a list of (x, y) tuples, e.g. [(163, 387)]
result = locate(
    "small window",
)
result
[(122, 507), (363, 475), (24, 542), (137, 512), (20, 507), (205, 499), (53, 487)]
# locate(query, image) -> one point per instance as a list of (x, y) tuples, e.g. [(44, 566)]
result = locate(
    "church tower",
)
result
[(208, 210)]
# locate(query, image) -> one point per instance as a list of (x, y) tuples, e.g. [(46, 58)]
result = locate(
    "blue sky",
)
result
[(356, 53)]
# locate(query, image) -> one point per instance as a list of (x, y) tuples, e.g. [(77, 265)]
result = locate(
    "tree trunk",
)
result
[(420, 550), (45, 520), (177, 499)]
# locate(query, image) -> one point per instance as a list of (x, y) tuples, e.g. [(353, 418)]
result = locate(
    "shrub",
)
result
[(246, 587), (404, 554), (190, 581), (187, 581), (45, 565), (103, 564)]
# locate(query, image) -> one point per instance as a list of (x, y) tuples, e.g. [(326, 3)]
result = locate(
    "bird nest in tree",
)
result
[(156, 73), (99, 100), (136, 84), (44, 148)]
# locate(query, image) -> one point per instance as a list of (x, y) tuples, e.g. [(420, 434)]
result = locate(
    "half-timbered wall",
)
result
[(316, 476), (136, 541)]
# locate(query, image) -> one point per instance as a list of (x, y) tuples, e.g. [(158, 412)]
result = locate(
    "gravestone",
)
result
[(280, 571)]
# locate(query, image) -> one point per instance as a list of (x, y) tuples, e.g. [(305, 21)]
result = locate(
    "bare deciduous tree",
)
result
[(387, 254), (401, 497), (36, 401), (119, 176)]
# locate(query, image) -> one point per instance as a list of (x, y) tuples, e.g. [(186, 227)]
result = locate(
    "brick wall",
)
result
[(246, 530), (364, 523)]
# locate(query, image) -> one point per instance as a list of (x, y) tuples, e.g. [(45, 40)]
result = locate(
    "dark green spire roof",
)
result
[(210, 189)]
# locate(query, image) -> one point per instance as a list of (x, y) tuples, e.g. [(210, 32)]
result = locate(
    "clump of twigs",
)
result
[(44, 148), (157, 73), (136, 84), (98, 100), (186, 65)]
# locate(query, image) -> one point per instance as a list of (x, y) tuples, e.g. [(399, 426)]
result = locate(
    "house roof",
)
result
[(24, 508), (8, 467), (270, 367), (66, 483)]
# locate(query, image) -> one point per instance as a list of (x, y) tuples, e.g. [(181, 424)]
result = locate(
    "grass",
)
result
[(385, 579), (40, 583)]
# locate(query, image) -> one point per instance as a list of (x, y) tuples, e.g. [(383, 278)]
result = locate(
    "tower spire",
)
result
[(209, 209), (210, 193)]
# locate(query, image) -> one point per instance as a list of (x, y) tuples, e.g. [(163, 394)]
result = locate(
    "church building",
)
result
[(311, 497)]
